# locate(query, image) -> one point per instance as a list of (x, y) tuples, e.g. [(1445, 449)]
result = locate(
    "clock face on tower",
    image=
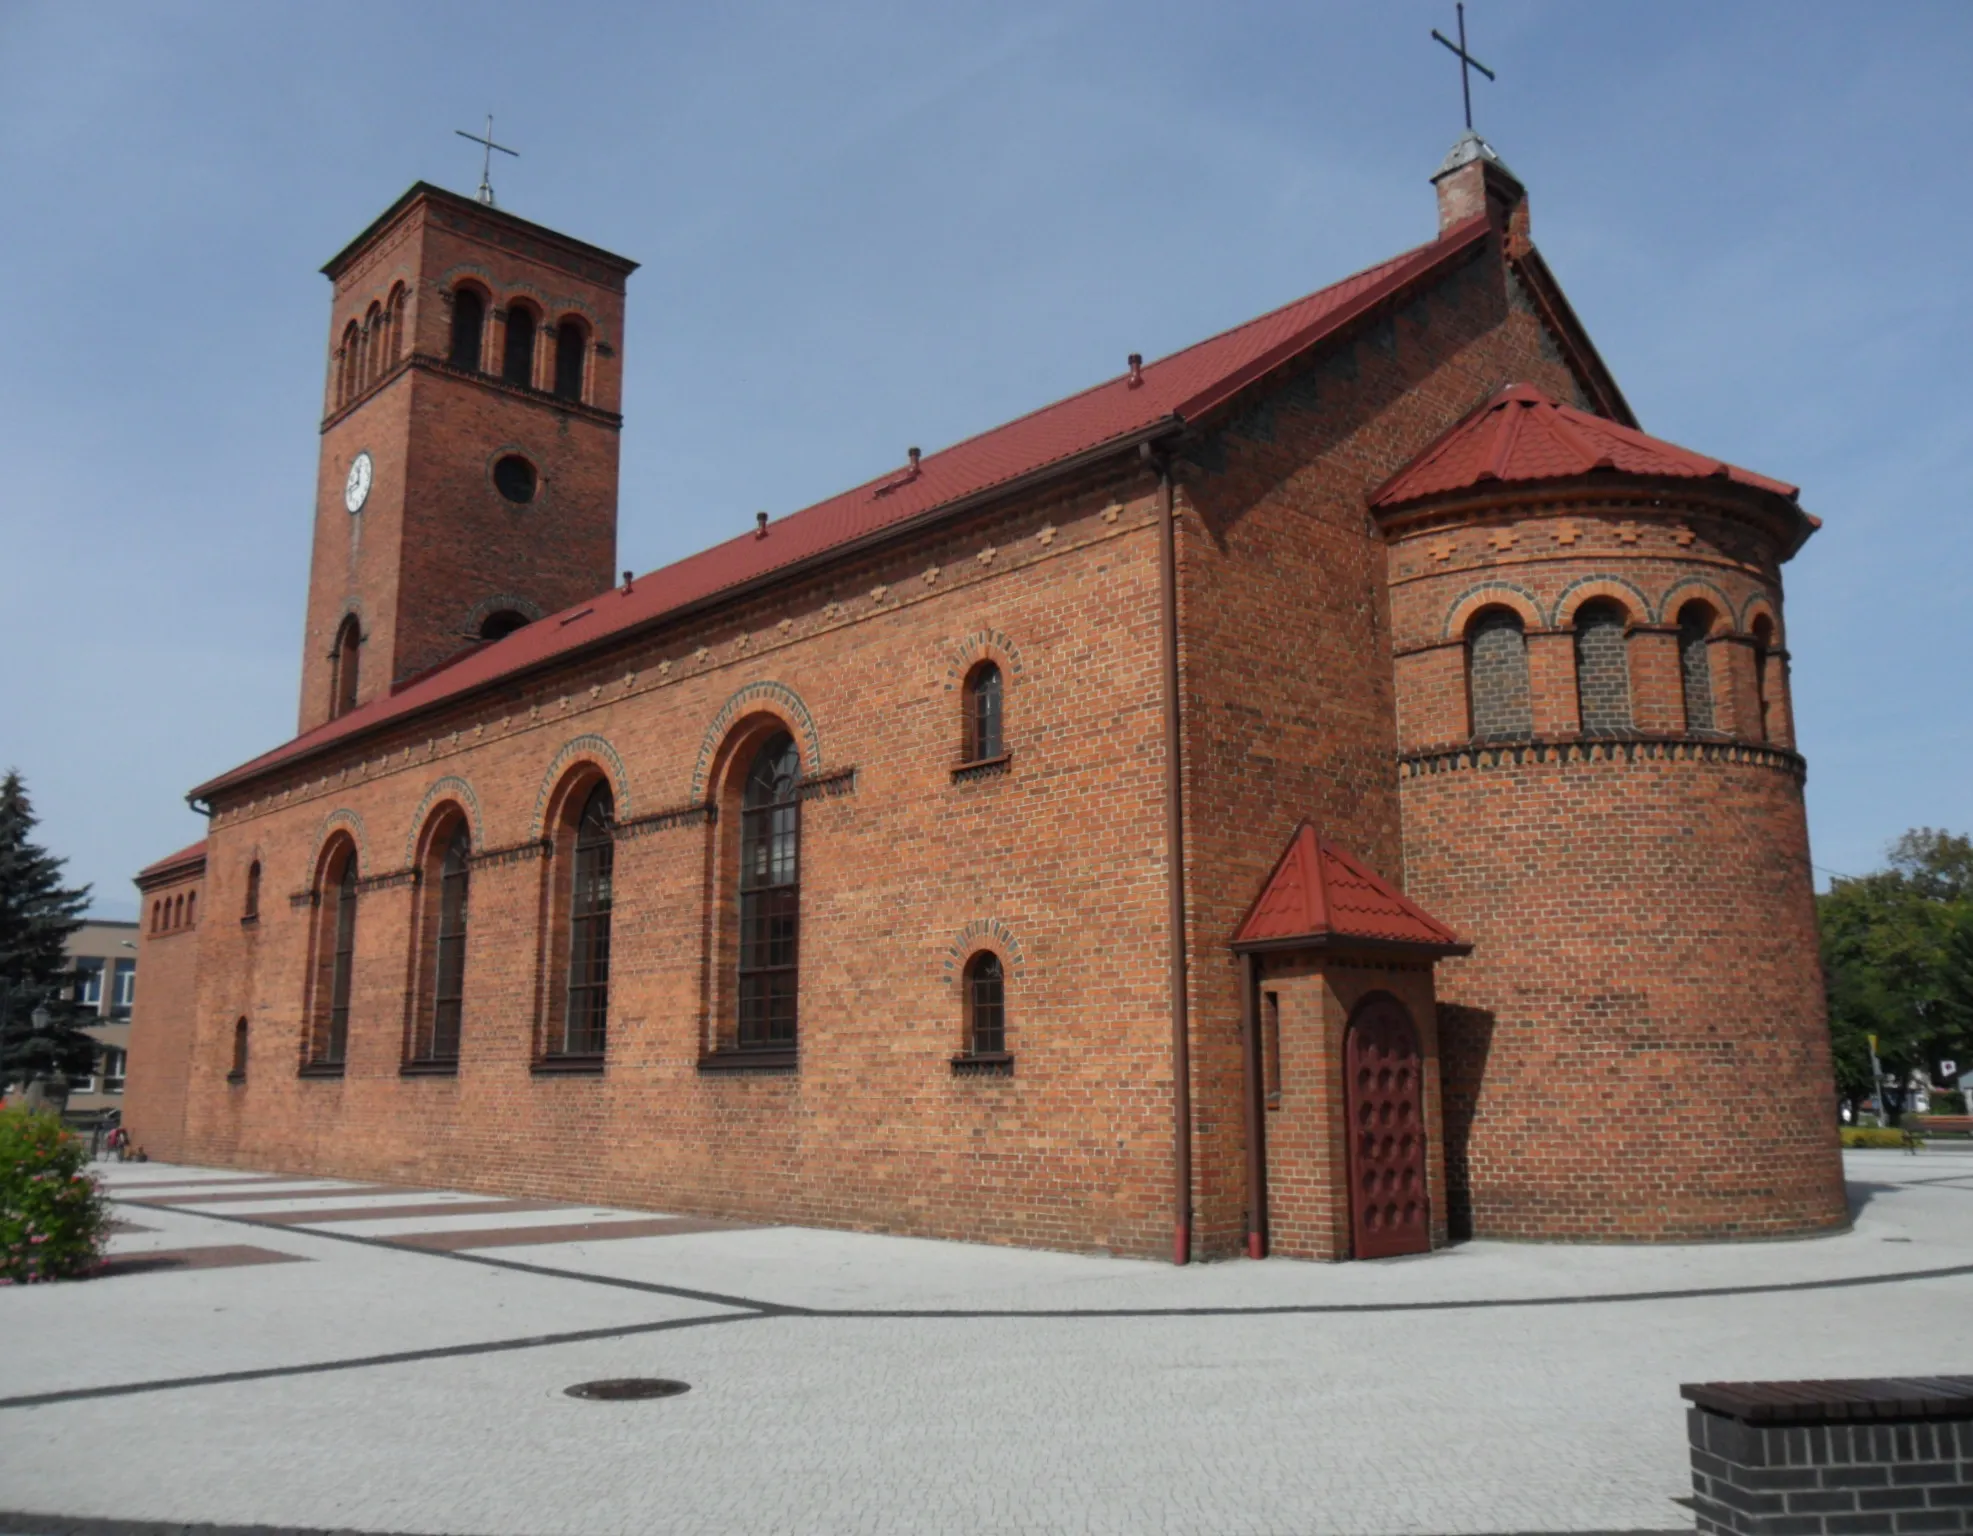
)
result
[(356, 489)]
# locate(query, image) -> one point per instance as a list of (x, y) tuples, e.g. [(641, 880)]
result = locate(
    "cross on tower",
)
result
[(1465, 59), (486, 140)]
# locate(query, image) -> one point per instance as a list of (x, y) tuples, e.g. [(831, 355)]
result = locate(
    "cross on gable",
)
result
[(1466, 62), (485, 140)]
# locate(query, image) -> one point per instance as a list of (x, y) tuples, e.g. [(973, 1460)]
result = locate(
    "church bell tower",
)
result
[(468, 478)]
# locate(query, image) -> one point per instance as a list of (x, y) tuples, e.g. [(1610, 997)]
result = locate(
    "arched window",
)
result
[(1500, 701), (986, 1006), (770, 895), (1695, 666), (583, 1030), (983, 737), (347, 358), (239, 1072), (1763, 649), (373, 344), (571, 345), (251, 909), (437, 1035), (344, 666), (1602, 672), (191, 908), (174, 910), (468, 327), (517, 358), (501, 624), (394, 310), (335, 957)]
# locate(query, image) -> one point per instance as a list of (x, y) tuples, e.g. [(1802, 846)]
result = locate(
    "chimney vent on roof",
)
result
[(1136, 369), (626, 583), (912, 454), (760, 525)]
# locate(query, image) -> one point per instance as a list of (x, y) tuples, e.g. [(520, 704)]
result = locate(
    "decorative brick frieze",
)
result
[(1609, 749), (665, 821), (513, 853)]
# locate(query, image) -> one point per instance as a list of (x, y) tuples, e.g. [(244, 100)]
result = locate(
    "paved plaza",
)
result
[(308, 1354)]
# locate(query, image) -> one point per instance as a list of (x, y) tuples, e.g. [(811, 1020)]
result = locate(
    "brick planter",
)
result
[(1822, 1458)]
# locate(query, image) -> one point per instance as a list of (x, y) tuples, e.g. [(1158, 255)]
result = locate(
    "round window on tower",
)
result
[(515, 478)]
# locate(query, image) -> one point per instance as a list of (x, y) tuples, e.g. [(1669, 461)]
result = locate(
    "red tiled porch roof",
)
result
[(1320, 896), (1169, 393)]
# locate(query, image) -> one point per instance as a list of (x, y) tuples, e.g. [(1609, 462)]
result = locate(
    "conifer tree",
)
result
[(37, 915)]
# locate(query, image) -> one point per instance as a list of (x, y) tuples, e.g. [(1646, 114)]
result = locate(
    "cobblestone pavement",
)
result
[(323, 1355)]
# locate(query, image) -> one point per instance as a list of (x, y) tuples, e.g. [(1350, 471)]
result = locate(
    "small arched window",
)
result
[(347, 358), (239, 1072), (571, 348), (499, 625), (394, 314), (439, 1031), (191, 908), (1763, 650), (1602, 670), (344, 666), (156, 907), (588, 1010), (174, 911), (770, 895), (373, 343), (1500, 702), (983, 734), (517, 357), (250, 910), (335, 958), (986, 1006), (1695, 666), (468, 328)]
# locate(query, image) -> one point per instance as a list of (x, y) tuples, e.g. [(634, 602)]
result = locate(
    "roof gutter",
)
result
[(1137, 438)]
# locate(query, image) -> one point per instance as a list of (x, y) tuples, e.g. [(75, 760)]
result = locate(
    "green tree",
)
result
[(37, 915), (1897, 949)]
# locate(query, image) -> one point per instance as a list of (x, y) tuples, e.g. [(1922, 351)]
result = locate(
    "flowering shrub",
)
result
[(52, 1216)]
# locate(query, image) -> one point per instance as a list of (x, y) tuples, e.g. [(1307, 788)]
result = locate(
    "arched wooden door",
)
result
[(1390, 1210)]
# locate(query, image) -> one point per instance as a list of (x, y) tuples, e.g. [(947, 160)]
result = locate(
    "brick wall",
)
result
[(1636, 1048), (159, 1082)]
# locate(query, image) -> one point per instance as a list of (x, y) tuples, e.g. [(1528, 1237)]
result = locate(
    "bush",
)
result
[(52, 1217), (1948, 1101), (1871, 1136)]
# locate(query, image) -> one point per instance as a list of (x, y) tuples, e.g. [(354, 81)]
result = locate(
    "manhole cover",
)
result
[(625, 1389)]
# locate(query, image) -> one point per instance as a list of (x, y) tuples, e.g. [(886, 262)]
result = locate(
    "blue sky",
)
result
[(868, 226)]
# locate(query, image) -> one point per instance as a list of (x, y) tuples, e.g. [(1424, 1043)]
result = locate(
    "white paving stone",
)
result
[(1554, 1415)]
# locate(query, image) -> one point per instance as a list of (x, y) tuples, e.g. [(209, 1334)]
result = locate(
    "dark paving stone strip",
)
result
[(574, 1232), (192, 1186), (15, 1523), (217, 1256), (365, 1362), (548, 1271), (1288, 1309), (342, 1192), (379, 1212), (118, 1224)]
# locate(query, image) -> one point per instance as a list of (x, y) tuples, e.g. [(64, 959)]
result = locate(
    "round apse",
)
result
[(515, 478), (627, 1389)]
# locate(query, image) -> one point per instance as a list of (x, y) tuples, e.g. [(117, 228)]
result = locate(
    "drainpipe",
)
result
[(1250, 1047), (1181, 1035)]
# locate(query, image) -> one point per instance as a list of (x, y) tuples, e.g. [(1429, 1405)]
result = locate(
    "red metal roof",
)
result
[(1171, 391), (1521, 435), (1318, 894), (191, 855)]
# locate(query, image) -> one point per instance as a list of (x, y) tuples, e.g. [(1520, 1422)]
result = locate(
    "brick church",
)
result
[(1326, 792)]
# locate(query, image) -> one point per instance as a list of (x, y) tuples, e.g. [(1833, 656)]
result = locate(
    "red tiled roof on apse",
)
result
[(1164, 394), (188, 855), (1320, 895), (1521, 435)]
